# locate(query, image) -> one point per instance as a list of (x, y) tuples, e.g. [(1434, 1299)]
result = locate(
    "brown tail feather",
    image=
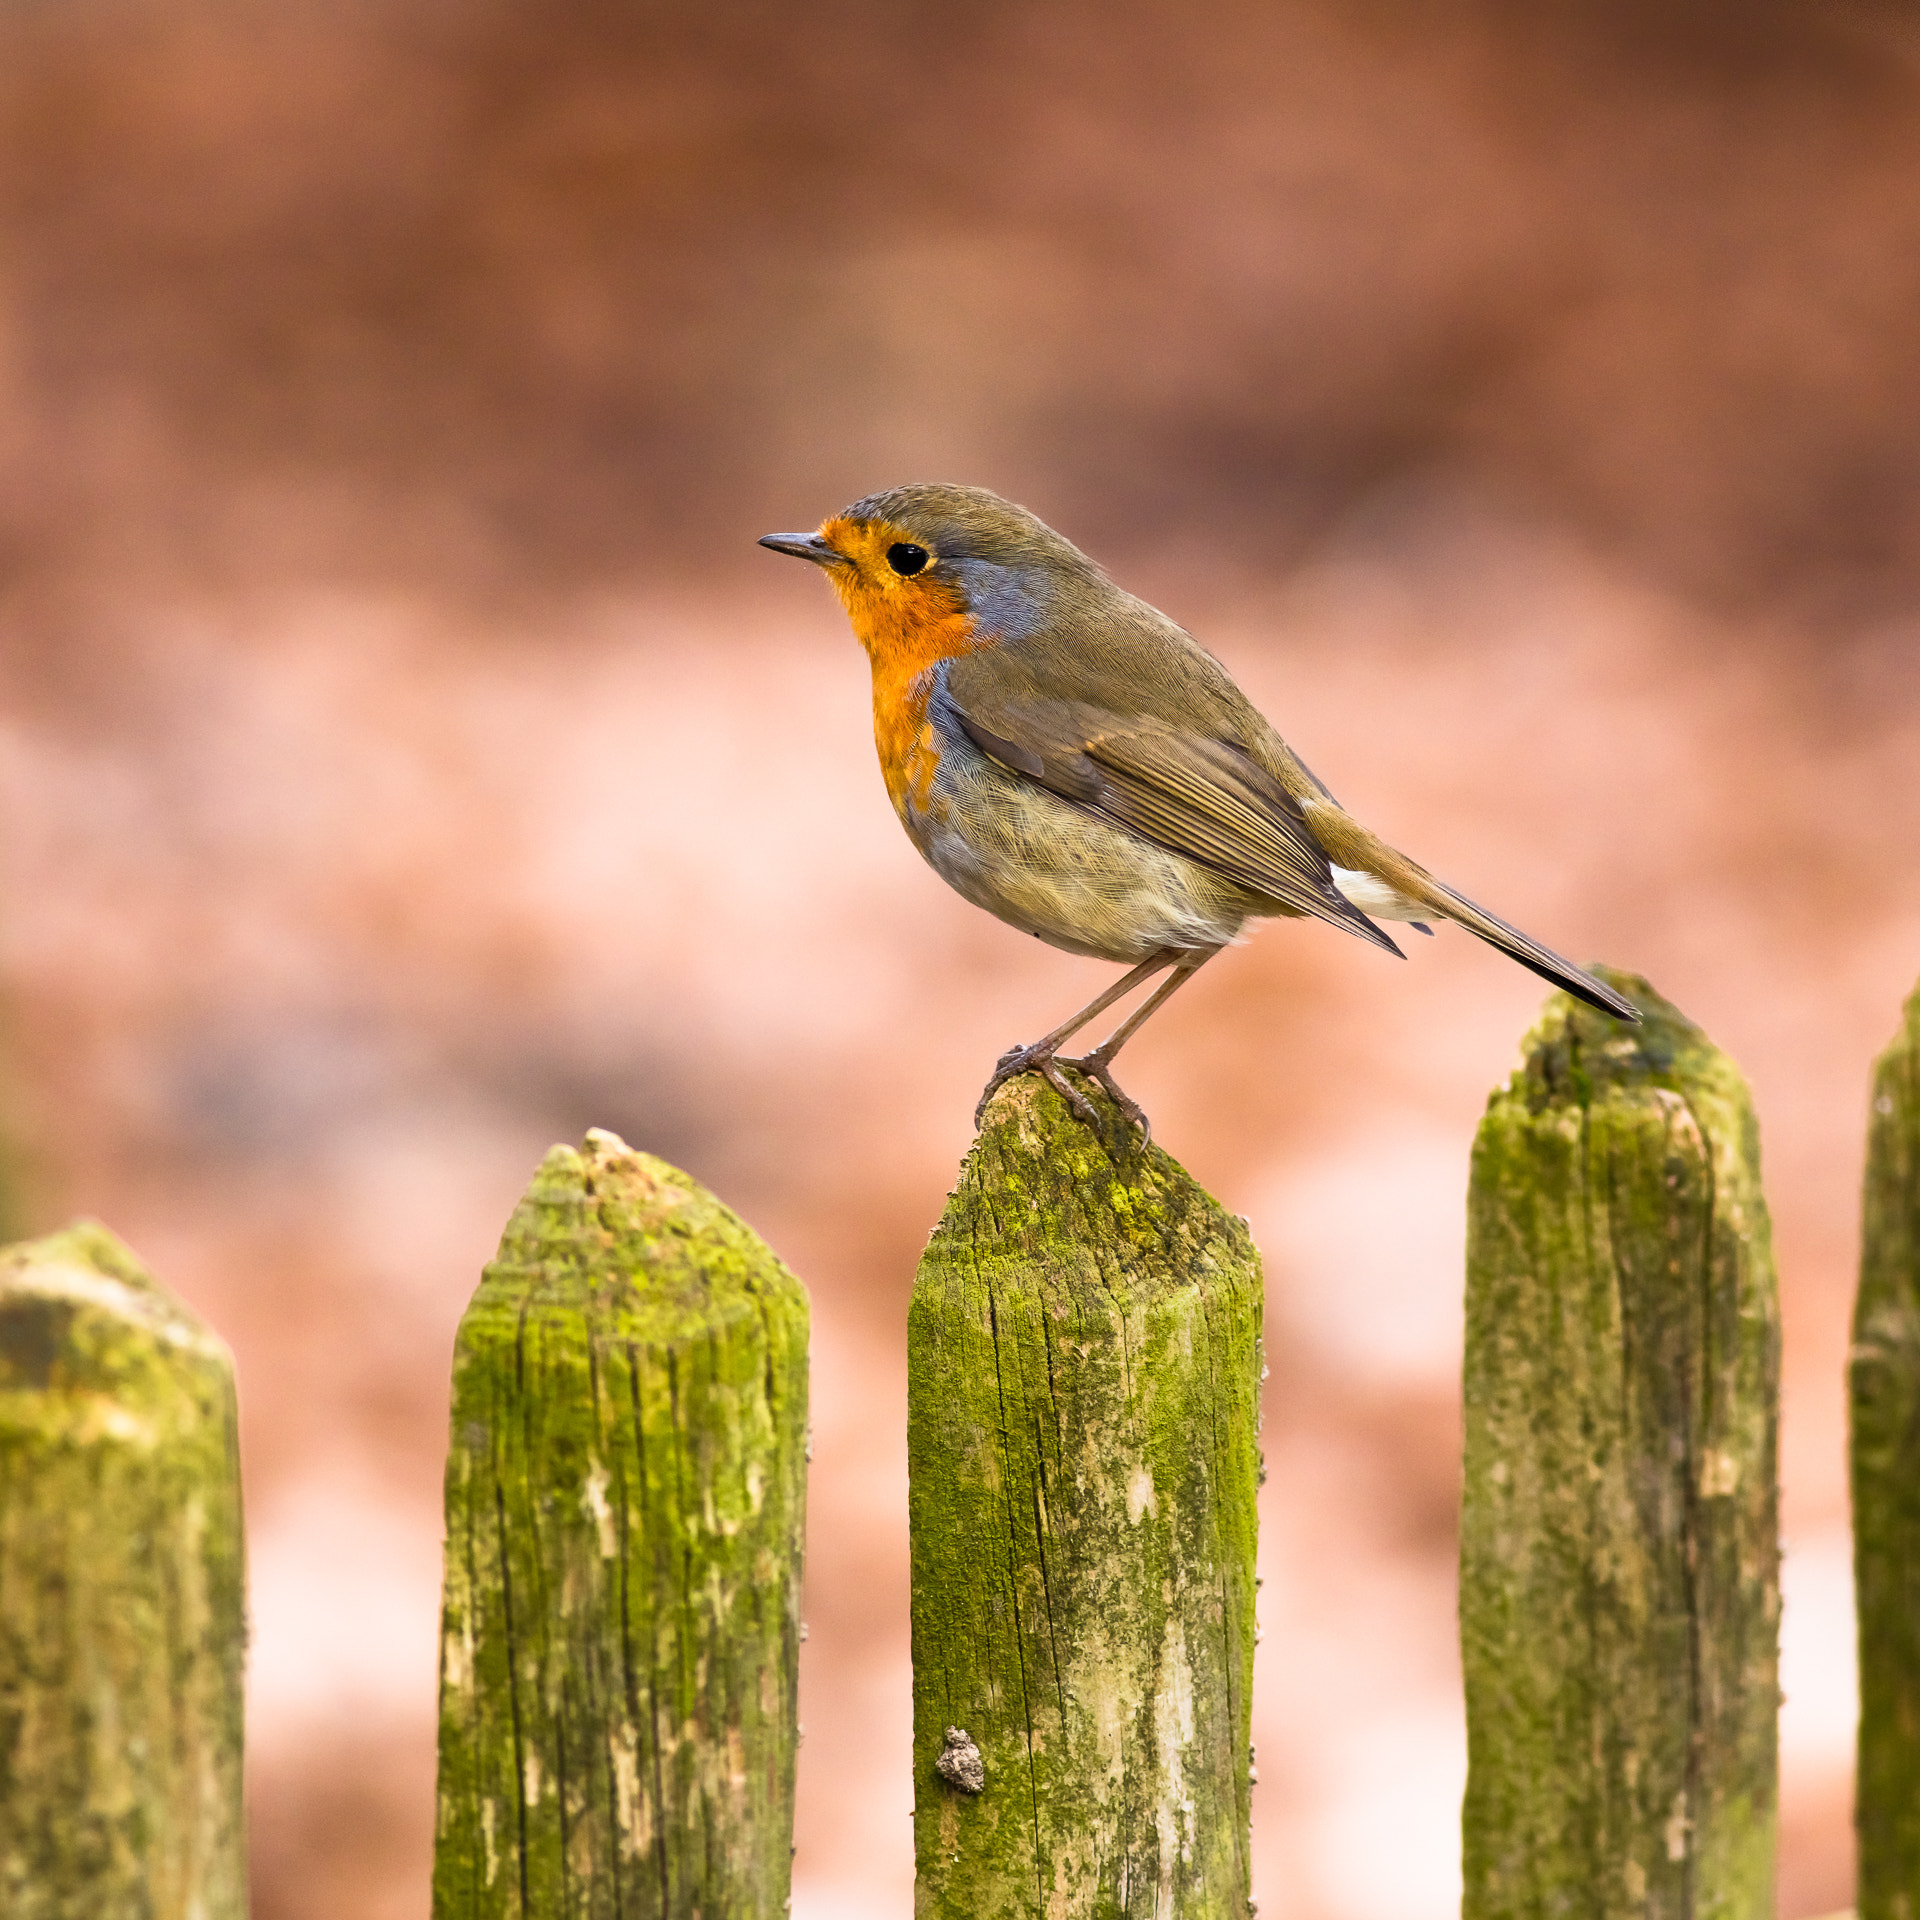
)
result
[(1349, 844), (1530, 953)]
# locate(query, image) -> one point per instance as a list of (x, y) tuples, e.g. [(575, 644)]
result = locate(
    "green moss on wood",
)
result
[(1884, 1388), (122, 1594), (1619, 1590), (625, 1504), (1084, 1356)]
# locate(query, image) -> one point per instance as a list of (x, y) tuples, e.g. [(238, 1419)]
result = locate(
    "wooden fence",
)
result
[(625, 1502)]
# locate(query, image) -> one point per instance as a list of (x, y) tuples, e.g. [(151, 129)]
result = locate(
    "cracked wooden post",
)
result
[(626, 1485), (1885, 1416), (122, 1594), (1619, 1576), (1083, 1394)]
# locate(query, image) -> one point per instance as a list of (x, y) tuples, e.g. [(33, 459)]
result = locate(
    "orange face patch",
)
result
[(908, 625), (905, 623)]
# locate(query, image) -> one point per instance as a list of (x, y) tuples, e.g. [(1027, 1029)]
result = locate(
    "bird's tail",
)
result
[(1383, 882), (1528, 951)]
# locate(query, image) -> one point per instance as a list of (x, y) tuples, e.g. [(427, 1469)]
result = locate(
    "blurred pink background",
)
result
[(407, 759)]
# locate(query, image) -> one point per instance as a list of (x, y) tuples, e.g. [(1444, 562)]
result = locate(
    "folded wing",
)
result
[(1201, 798)]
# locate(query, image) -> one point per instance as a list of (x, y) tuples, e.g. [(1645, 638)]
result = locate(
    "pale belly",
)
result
[(1053, 870)]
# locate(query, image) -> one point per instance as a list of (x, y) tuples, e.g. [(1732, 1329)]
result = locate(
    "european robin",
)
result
[(1066, 757)]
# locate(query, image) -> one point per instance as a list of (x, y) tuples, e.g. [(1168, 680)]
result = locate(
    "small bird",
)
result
[(1065, 756)]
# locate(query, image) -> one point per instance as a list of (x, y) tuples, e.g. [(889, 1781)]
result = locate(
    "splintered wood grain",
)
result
[(122, 1594), (1084, 1378), (625, 1507), (1884, 1407), (1619, 1584)]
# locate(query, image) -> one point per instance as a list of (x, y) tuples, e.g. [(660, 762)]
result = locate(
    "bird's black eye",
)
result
[(904, 557)]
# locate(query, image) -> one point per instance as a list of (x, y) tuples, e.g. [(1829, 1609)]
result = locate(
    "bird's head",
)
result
[(933, 569)]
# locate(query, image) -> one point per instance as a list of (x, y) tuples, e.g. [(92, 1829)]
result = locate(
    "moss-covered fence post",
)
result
[(122, 1594), (1619, 1583), (1083, 1392), (626, 1486), (1885, 1409)]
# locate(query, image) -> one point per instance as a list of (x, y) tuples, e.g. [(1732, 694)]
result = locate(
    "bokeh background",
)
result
[(407, 759)]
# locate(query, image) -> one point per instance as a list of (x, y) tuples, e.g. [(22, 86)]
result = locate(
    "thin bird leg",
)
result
[(1038, 1057), (1097, 1064)]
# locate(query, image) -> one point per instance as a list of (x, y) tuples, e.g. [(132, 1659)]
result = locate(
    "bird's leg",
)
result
[(1038, 1058), (1097, 1064)]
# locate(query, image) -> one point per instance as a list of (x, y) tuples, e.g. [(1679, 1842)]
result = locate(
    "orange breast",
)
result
[(909, 755), (906, 636)]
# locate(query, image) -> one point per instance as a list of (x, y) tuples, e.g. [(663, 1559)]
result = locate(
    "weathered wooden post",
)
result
[(1083, 1394), (1885, 1408), (1619, 1585), (626, 1487), (122, 1594)]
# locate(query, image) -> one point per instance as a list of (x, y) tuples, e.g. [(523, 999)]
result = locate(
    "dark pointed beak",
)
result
[(805, 546)]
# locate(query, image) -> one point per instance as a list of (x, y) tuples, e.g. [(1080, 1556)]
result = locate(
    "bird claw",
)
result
[(1131, 1110), (1034, 1059)]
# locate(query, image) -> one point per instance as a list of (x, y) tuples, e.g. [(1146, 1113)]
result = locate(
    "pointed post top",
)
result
[(1038, 1182), (1576, 1049), (1578, 1056), (647, 1247), (85, 1265)]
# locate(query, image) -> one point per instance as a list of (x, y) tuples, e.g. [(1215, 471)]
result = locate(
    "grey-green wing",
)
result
[(1200, 797)]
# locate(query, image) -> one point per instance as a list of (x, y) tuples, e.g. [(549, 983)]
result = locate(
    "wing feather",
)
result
[(1202, 798)]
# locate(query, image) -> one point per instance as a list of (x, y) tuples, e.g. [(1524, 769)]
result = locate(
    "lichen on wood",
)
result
[(1884, 1395), (1619, 1584), (1084, 1368), (625, 1503), (122, 1594)]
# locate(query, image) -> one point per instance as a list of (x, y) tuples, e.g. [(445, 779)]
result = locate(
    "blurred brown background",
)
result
[(407, 759)]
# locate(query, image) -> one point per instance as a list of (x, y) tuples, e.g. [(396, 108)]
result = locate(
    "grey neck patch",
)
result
[(1007, 602)]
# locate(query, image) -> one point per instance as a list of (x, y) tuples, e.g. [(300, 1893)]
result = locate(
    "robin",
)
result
[(1065, 756)]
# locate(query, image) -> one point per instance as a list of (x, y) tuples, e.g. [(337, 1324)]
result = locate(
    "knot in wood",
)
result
[(959, 1763)]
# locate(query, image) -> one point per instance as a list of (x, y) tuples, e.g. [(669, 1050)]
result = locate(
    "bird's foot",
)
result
[(1095, 1067), (1037, 1058)]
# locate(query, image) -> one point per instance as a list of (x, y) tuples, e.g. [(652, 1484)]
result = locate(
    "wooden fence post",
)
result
[(1884, 1388), (1619, 1579), (1083, 1395), (122, 1594), (626, 1487)]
